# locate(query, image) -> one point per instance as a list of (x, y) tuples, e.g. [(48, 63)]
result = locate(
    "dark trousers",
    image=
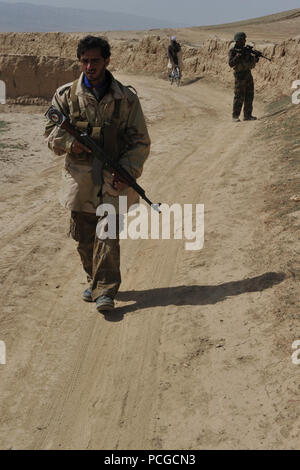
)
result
[(243, 95), (100, 258)]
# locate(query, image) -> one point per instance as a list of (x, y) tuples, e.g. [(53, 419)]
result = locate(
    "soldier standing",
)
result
[(111, 113), (241, 60)]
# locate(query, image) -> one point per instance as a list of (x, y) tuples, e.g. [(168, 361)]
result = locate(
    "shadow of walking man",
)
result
[(192, 295)]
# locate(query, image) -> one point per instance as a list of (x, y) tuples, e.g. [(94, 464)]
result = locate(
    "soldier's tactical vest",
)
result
[(243, 69), (109, 136)]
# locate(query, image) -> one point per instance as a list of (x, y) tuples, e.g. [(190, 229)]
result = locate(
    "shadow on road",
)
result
[(191, 295), (190, 81)]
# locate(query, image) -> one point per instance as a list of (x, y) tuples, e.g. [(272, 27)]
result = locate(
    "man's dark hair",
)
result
[(93, 42)]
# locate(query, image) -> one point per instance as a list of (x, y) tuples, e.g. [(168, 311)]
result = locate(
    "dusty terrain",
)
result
[(33, 65), (198, 352)]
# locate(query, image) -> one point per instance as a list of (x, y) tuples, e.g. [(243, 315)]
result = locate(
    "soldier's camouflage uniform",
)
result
[(244, 86), (117, 123)]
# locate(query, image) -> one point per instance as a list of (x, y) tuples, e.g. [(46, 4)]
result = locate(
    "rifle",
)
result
[(60, 120), (249, 50)]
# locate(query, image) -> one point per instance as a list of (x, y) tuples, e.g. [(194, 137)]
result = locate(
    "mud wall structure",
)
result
[(33, 65)]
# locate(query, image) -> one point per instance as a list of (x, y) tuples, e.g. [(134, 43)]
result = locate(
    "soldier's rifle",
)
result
[(60, 120), (250, 51)]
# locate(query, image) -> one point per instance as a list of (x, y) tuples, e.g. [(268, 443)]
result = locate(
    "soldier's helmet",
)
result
[(239, 36)]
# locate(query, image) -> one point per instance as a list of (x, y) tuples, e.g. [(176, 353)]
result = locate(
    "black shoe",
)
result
[(250, 118)]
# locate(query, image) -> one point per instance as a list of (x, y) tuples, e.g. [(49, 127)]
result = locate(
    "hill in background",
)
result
[(25, 17)]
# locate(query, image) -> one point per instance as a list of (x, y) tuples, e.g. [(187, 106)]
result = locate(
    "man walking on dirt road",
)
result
[(111, 113), (241, 60)]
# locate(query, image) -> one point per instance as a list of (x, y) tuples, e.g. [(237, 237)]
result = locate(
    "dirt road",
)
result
[(187, 360)]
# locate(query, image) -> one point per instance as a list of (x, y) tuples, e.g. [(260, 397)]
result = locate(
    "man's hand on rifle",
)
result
[(113, 184), (77, 147), (118, 183)]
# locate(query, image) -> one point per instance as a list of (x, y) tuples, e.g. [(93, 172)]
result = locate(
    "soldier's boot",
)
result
[(250, 118), (236, 119), (104, 303), (87, 295)]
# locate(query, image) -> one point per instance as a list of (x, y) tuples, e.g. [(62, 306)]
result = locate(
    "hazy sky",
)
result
[(191, 12)]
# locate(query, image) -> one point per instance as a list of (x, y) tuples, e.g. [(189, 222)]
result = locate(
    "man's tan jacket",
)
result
[(129, 143)]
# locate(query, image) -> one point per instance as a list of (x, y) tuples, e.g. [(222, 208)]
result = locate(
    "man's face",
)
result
[(93, 65), (241, 42)]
